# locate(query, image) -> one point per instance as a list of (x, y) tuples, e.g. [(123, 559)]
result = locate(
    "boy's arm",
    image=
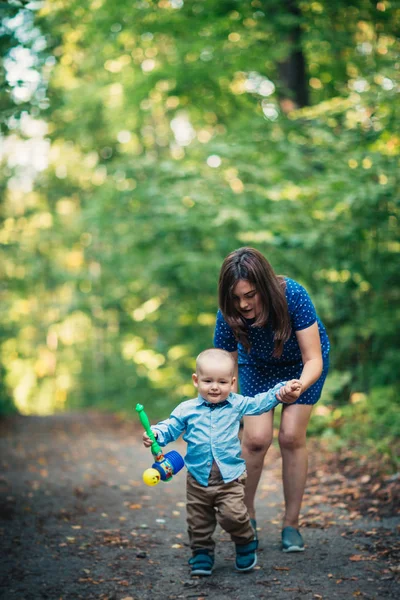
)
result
[(266, 401), (260, 403), (170, 429)]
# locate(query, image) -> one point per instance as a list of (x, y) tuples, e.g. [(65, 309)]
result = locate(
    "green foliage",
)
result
[(366, 422), (7, 405), (172, 138)]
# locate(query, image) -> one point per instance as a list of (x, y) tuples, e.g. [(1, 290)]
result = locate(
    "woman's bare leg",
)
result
[(292, 441), (257, 438)]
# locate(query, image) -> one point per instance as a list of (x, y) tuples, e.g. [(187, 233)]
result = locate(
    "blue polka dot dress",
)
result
[(258, 369)]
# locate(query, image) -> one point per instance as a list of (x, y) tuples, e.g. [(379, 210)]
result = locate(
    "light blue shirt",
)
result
[(212, 433)]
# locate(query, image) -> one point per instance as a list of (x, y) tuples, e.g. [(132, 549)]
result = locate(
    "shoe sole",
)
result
[(201, 572), (293, 549), (247, 568)]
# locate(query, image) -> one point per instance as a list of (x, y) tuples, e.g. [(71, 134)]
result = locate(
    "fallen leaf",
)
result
[(395, 568), (358, 557), (365, 478)]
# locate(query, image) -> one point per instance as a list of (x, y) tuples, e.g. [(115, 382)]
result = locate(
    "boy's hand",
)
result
[(147, 442), (290, 392)]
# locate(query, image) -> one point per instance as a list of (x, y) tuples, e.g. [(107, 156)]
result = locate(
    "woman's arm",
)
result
[(310, 348)]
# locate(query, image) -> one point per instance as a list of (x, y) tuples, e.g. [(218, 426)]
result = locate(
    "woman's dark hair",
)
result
[(251, 265)]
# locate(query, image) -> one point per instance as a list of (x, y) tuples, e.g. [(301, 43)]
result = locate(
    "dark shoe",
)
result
[(246, 557), (201, 562), (292, 540), (253, 523)]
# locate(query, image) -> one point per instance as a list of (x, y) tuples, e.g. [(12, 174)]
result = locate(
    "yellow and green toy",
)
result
[(165, 465)]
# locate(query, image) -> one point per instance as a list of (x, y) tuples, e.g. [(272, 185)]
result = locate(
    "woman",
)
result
[(270, 325)]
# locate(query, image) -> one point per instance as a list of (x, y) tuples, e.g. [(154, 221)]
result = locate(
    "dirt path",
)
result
[(77, 522)]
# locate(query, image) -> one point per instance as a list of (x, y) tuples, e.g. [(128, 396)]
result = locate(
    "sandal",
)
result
[(201, 562), (246, 557)]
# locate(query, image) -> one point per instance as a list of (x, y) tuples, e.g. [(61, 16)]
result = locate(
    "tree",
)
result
[(177, 132)]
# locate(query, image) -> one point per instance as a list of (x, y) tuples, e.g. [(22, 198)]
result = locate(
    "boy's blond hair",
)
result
[(215, 354)]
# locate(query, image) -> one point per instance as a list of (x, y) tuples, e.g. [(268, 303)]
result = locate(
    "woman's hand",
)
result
[(290, 392), (147, 442)]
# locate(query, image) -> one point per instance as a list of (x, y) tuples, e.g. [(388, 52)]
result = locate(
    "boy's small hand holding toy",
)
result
[(166, 466), (147, 442)]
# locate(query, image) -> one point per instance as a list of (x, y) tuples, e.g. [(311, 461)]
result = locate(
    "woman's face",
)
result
[(246, 299)]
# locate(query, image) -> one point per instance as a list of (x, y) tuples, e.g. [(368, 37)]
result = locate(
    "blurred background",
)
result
[(142, 141)]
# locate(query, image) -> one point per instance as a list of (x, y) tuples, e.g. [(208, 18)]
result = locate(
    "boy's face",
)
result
[(214, 380)]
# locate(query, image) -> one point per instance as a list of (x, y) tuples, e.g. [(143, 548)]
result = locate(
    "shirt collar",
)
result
[(211, 405)]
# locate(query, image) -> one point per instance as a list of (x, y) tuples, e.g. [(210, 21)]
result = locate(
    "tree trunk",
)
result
[(292, 71)]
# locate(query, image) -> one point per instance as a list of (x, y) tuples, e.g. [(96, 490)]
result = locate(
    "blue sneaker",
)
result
[(202, 563), (246, 557), (292, 540)]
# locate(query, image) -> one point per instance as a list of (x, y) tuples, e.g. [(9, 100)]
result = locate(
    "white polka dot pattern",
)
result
[(259, 370)]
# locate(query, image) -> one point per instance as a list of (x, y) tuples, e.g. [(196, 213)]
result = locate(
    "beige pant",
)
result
[(219, 502)]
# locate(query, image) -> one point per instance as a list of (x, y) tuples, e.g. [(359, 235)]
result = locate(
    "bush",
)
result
[(367, 421)]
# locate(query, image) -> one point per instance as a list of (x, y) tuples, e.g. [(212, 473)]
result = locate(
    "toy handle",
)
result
[(155, 447)]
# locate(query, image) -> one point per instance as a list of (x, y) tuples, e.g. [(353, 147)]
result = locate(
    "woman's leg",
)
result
[(257, 438), (292, 441)]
